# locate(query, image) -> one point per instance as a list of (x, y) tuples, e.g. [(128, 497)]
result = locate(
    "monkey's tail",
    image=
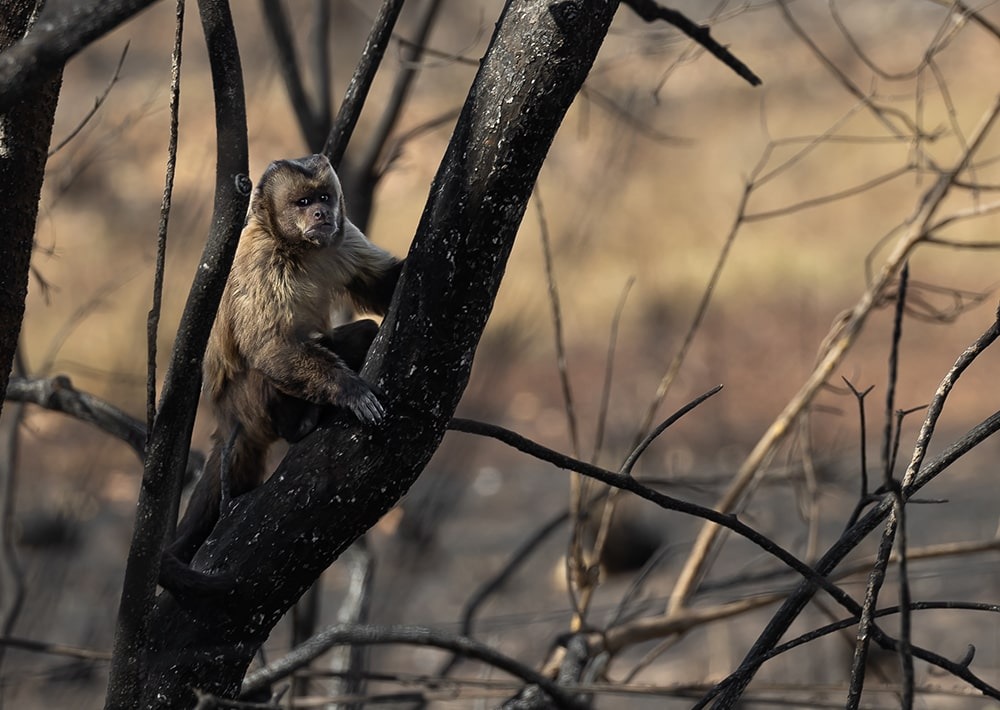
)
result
[(191, 587)]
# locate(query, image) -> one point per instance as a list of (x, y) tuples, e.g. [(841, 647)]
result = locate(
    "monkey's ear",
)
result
[(321, 161), (257, 206)]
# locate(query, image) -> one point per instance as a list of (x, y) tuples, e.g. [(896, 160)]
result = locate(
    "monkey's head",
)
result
[(300, 202)]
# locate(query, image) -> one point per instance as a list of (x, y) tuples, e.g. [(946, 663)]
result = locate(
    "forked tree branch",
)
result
[(337, 482)]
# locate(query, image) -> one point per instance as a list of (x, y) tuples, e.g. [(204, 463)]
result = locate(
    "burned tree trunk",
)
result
[(25, 132), (340, 480)]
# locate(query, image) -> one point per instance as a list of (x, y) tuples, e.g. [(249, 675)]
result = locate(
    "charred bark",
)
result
[(336, 483), (25, 133)]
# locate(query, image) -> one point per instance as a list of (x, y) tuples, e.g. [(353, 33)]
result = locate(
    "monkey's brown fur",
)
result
[(272, 357)]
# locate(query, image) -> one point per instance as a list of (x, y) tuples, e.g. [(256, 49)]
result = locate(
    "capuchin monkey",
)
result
[(273, 360)]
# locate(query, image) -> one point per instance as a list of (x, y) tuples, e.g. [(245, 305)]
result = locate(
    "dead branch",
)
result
[(171, 436), (650, 11), (54, 649), (626, 482), (840, 340), (364, 74), (98, 102), (59, 395), (62, 30), (370, 164), (153, 319), (409, 635), (917, 475), (308, 114)]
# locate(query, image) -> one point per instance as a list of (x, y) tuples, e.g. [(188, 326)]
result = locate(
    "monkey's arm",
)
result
[(376, 272), (307, 370), (294, 418)]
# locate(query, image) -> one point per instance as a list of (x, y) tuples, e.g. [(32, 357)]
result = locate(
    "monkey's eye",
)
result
[(325, 197), (303, 201)]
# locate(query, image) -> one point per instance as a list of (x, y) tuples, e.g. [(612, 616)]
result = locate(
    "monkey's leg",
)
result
[(351, 342), (244, 469), (225, 458), (292, 418), (202, 510), (235, 466)]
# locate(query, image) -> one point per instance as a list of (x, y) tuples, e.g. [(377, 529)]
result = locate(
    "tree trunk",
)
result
[(25, 132), (168, 443), (339, 481)]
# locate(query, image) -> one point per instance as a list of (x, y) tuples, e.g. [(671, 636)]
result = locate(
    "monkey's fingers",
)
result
[(366, 407)]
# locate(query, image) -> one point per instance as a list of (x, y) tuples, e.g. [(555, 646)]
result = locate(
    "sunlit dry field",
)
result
[(666, 160)]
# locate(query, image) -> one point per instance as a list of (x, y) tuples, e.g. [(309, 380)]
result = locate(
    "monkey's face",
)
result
[(316, 217), (302, 202)]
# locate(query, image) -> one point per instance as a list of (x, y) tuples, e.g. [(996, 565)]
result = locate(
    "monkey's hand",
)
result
[(308, 370), (358, 396)]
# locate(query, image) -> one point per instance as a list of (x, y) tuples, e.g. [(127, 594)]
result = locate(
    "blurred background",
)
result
[(643, 187)]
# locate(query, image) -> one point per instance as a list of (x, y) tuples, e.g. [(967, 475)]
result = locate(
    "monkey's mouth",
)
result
[(322, 234)]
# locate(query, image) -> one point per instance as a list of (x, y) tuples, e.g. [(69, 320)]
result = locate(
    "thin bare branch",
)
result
[(392, 110), (322, 68), (54, 649), (354, 609), (838, 342), (628, 483), (408, 635), (831, 197), (557, 324), (670, 374), (981, 210), (917, 475), (968, 12), (579, 583), (98, 102), (662, 626), (641, 447), (863, 499), (153, 319), (959, 669), (58, 394), (893, 374), (364, 74), (650, 11), (609, 366), (641, 127), (277, 27), (11, 574), (883, 113)]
